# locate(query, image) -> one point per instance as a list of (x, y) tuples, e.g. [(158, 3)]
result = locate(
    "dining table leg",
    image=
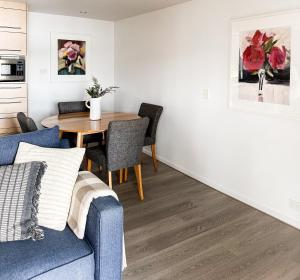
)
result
[(79, 140)]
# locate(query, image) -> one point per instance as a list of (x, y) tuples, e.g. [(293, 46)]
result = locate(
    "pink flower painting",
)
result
[(71, 57), (264, 67)]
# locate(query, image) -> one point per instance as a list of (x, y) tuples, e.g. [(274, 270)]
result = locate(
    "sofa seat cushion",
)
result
[(61, 254)]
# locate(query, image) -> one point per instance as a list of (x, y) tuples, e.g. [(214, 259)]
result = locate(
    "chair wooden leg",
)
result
[(153, 149), (121, 176), (110, 179), (138, 174), (125, 175), (89, 165)]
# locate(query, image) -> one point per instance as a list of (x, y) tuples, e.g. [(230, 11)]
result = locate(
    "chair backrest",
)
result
[(27, 124), (153, 112), (72, 107), (125, 140)]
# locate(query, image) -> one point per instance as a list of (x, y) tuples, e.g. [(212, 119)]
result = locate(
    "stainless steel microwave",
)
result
[(12, 69)]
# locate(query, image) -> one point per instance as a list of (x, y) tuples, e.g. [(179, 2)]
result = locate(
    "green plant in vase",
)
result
[(96, 92)]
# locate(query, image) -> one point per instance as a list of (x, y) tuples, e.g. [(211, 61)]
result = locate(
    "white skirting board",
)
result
[(219, 187)]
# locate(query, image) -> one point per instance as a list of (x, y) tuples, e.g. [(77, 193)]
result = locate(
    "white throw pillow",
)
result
[(58, 182)]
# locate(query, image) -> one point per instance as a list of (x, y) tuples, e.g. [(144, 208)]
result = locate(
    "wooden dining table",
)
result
[(81, 124)]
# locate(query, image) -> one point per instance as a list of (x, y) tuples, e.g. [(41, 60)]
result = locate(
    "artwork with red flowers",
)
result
[(264, 66), (71, 57)]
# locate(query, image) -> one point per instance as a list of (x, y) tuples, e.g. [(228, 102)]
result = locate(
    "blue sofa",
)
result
[(61, 255)]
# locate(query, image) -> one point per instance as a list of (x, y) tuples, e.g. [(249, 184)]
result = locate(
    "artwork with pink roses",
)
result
[(264, 65), (71, 57)]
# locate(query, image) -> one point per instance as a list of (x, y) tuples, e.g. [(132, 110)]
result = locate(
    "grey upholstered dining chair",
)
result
[(77, 107), (27, 124), (153, 112), (72, 107), (123, 149)]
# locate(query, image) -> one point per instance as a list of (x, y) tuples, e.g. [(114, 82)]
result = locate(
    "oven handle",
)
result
[(11, 27), (10, 87), (14, 102), (10, 50)]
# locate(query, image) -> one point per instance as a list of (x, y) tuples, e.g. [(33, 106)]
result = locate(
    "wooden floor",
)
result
[(186, 230)]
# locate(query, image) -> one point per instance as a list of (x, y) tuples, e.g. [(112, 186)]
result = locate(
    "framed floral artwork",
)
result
[(69, 57), (264, 75)]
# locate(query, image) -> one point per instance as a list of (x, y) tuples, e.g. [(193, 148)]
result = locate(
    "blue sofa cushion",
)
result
[(48, 138), (65, 144), (79, 269), (60, 254)]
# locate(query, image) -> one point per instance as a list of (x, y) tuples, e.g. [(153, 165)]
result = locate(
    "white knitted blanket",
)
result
[(87, 187)]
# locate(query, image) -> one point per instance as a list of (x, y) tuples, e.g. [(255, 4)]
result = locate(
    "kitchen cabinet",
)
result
[(13, 20), (13, 41)]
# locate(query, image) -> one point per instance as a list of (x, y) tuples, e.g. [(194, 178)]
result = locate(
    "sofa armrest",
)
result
[(104, 231)]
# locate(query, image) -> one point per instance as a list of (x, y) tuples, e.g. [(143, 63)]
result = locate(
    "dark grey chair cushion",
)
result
[(97, 154), (72, 107), (27, 124), (153, 112), (149, 141), (19, 192), (125, 140)]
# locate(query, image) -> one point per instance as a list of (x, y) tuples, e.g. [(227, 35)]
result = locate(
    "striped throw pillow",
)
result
[(57, 183), (19, 195)]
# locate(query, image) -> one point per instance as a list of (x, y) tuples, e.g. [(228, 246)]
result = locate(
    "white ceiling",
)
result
[(100, 9)]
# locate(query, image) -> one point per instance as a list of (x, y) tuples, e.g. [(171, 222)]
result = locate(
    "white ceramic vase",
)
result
[(95, 108)]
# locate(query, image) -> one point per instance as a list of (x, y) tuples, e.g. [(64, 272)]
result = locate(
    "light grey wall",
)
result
[(169, 57), (44, 93)]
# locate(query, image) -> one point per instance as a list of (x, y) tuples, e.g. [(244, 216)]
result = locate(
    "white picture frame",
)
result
[(288, 19), (55, 37)]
